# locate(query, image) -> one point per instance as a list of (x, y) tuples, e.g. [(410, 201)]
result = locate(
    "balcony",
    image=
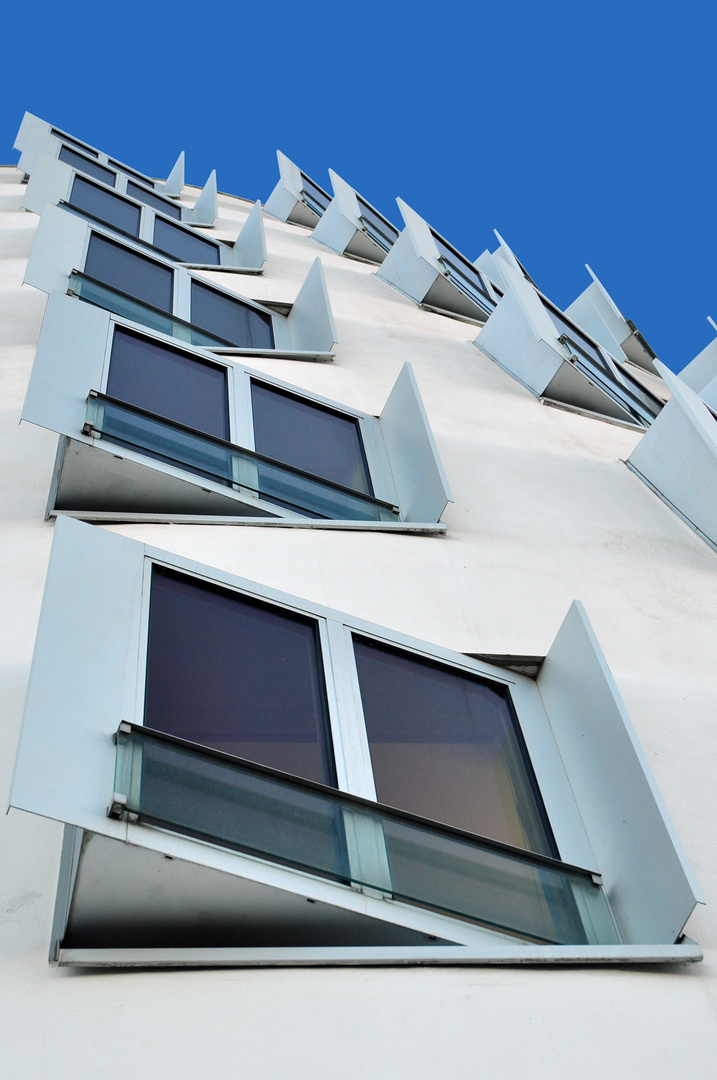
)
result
[(179, 786), (243, 471)]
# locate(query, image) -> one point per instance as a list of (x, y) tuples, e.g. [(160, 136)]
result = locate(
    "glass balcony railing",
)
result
[(119, 303), (242, 470), (164, 781)]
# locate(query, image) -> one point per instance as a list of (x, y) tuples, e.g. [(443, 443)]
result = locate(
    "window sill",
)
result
[(109, 517), (687, 951)]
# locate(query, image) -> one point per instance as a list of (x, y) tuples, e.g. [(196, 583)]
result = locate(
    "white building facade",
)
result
[(358, 652)]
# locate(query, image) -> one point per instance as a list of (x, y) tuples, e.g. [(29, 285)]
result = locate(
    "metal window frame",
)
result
[(68, 728)]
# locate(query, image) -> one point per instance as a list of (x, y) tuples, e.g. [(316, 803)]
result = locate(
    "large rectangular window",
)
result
[(310, 437), (447, 746), (230, 319), (237, 675), (131, 273), (169, 383), (142, 194), (184, 245), (130, 172), (105, 206), (84, 165)]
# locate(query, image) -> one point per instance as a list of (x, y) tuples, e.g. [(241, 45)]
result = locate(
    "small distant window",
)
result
[(105, 206), (168, 383), (310, 437), (316, 198), (463, 274), (84, 165), (142, 194), (130, 172), (184, 245), (68, 140), (381, 231), (230, 319), (122, 269), (446, 745), (237, 675)]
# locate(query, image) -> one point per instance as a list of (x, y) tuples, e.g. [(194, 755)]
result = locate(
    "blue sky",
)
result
[(583, 131)]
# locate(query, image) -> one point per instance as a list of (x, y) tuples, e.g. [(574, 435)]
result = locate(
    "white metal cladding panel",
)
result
[(647, 878), (83, 679)]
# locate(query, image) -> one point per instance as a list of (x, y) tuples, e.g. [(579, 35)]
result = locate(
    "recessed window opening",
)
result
[(183, 245), (84, 165), (130, 172), (310, 437), (169, 383), (143, 195), (464, 275), (446, 745), (237, 675), (230, 318), (105, 206), (74, 142), (131, 273), (314, 196), (382, 232)]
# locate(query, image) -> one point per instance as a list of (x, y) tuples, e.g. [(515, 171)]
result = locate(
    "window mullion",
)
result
[(353, 758)]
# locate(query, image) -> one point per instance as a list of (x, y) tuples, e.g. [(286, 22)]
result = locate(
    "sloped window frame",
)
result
[(61, 246), (344, 228), (67, 734), (52, 182), (75, 349), (38, 140)]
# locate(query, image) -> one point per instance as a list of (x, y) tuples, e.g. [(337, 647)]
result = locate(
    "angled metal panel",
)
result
[(701, 373), (205, 209), (174, 183), (57, 250), (68, 364), (648, 880), (50, 182), (412, 265), (286, 195), (678, 456), (83, 678), (339, 224), (418, 473), (311, 321), (249, 248), (595, 311), (520, 336)]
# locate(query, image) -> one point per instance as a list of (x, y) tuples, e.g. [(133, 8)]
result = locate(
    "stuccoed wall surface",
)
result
[(544, 512)]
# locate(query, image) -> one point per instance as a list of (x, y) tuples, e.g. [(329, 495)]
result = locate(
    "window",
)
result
[(553, 357), (82, 164), (42, 145), (138, 213), (677, 457), (296, 198), (352, 226), (259, 734), (125, 279), (261, 447), (105, 206), (142, 194), (425, 267)]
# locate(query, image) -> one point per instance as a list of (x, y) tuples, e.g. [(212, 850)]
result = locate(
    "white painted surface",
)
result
[(544, 512)]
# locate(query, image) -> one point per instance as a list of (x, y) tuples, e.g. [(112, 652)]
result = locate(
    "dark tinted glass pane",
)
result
[(183, 245), (75, 142), (148, 197), (230, 319), (446, 746), (105, 206), (83, 164), (168, 383), (309, 437), (129, 272), (130, 172), (238, 676), (316, 195)]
